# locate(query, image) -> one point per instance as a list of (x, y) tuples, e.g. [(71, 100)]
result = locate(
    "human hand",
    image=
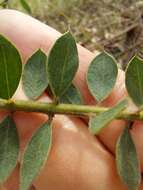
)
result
[(78, 160)]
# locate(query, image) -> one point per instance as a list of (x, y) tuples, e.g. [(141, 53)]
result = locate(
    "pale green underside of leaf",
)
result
[(10, 68), (9, 147), (101, 76), (72, 96), (134, 80), (34, 77), (127, 161), (97, 123), (62, 64), (35, 155)]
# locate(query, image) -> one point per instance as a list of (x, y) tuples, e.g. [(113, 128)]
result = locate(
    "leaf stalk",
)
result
[(68, 109)]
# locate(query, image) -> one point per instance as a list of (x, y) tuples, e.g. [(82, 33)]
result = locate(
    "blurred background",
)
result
[(112, 25)]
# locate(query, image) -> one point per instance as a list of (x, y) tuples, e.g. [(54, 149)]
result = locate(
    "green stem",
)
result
[(50, 108)]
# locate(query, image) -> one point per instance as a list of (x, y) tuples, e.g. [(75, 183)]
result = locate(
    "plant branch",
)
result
[(50, 108)]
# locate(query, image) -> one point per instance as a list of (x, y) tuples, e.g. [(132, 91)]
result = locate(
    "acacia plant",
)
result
[(55, 73)]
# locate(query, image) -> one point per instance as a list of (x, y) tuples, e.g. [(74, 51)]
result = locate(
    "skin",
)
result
[(78, 160)]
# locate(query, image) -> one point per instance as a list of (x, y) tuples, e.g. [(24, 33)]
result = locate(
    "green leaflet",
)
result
[(62, 64), (97, 123), (35, 155), (9, 147), (10, 68), (134, 80), (127, 161), (101, 76), (35, 79), (26, 6), (71, 96)]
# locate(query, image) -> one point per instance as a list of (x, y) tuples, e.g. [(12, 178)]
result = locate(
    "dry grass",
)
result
[(113, 25)]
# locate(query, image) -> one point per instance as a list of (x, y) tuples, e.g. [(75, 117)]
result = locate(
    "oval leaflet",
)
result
[(134, 80), (35, 155), (101, 76), (34, 77), (9, 147), (10, 68), (62, 64), (127, 161)]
